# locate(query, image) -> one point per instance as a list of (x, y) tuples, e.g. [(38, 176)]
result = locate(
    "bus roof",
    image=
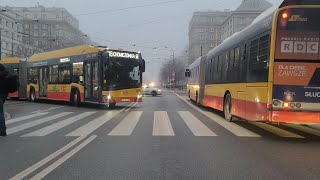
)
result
[(10, 60), (66, 52)]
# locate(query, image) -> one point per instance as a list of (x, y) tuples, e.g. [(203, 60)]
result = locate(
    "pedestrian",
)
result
[(3, 96)]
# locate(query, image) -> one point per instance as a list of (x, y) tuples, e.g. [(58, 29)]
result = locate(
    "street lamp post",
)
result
[(0, 43), (173, 78), (12, 44)]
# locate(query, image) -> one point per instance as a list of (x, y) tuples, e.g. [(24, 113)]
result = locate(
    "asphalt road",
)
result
[(163, 137)]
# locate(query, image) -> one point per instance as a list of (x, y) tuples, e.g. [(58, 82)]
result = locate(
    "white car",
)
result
[(151, 91)]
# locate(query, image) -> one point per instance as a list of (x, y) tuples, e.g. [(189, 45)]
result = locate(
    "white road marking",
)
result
[(44, 161), (55, 127), (275, 130), (63, 159), (35, 123), (94, 124), (25, 117), (161, 124), (304, 129), (131, 107), (125, 128), (50, 109), (232, 127), (195, 125)]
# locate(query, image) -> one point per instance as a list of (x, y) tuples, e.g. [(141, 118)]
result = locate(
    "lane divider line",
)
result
[(134, 104), (63, 159), (44, 161)]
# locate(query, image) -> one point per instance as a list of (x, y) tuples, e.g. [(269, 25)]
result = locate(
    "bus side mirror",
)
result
[(143, 66), (105, 55), (187, 73)]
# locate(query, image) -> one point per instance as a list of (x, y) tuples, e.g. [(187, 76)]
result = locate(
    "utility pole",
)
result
[(12, 44)]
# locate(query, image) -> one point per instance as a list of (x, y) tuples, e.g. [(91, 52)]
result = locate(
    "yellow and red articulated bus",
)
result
[(268, 72), (16, 66), (86, 74)]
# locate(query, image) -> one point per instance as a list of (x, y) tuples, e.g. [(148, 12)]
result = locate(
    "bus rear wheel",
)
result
[(32, 95), (227, 107), (197, 99)]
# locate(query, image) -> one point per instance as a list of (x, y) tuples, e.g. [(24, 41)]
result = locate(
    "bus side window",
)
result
[(77, 73), (259, 59)]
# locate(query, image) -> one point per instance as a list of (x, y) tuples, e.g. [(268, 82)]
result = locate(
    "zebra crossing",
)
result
[(86, 123)]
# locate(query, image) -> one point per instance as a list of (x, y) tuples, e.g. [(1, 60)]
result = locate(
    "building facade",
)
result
[(204, 32), (209, 28), (10, 39), (46, 29)]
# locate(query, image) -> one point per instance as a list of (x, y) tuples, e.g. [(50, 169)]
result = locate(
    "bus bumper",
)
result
[(123, 99), (295, 117)]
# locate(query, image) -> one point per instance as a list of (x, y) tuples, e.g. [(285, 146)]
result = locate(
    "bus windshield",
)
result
[(121, 73)]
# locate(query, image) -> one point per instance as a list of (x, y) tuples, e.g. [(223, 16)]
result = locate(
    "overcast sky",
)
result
[(146, 27)]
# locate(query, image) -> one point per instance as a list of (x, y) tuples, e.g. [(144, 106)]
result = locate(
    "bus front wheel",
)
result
[(75, 98), (32, 95), (227, 107), (112, 105)]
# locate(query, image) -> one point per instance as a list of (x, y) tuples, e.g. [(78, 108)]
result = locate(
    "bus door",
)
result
[(43, 83), (91, 80)]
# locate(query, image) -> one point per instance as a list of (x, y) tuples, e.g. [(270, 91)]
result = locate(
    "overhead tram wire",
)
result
[(155, 21), (126, 27), (130, 7)]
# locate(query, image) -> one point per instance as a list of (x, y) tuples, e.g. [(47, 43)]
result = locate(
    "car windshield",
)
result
[(159, 89)]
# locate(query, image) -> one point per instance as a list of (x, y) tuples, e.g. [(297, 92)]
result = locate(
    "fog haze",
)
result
[(146, 29)]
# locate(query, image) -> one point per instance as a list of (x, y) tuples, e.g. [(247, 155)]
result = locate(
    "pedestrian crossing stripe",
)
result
[(94, 125), (127, 125), (195, 125), (23, 118), (55, 127), (36, 122), (276, 130), (161, 125), (304, 129)]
